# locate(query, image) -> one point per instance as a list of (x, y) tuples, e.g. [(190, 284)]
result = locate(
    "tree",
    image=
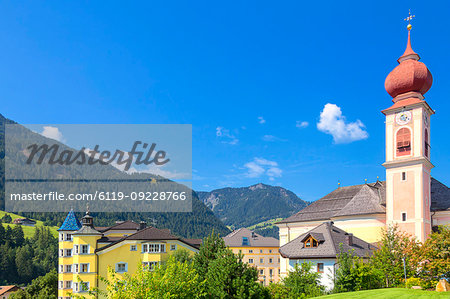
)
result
[(24, 257), (395, 246), (432, 259), (6, 218), (208, 252), (182, 255), (175, 280), (303, 282), (43, 287), (2, 234), (229, 277), (353, 274), (17, 236)]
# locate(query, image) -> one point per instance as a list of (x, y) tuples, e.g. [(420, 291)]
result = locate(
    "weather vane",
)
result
[(409, 18)]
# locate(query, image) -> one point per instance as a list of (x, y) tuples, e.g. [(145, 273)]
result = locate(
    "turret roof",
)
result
[(71, 223)]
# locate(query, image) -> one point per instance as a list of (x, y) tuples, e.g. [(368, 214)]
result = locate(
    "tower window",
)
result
[(403, 176), (426, 145), (403, 142), (403, 216)]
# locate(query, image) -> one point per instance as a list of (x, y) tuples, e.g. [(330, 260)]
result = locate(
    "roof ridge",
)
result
[(330, 226)]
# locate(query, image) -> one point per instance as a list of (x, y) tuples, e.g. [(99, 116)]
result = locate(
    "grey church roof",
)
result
[(362, 199), (329, 244), (235, 238)]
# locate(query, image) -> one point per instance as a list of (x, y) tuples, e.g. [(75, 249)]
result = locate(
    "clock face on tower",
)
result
[(403, 117)]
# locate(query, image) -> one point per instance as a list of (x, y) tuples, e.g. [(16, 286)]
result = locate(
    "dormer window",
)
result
[(310, 242), (245, 241)]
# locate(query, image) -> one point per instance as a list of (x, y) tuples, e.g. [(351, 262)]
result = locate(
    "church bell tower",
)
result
[(408, 165)]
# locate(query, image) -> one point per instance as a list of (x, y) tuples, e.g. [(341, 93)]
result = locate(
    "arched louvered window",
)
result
[(427, 145), (403, 142)]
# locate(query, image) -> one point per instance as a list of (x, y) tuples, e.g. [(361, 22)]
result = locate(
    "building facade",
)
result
[(260, 252), (86, 252)]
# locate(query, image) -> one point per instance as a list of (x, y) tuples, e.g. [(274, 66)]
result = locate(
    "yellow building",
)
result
[(86, 251), (260, 252)]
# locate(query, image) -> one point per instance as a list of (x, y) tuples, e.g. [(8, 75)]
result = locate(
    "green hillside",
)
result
[(28, 230), (196, 224)]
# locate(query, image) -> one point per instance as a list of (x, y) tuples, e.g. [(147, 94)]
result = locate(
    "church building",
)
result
[(410, 197)]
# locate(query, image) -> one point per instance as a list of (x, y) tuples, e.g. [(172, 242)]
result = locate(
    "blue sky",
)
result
[(252, 77)]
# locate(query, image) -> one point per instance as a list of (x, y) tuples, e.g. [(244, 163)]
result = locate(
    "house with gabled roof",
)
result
[(86, 251), (259, 252), (321, 246)]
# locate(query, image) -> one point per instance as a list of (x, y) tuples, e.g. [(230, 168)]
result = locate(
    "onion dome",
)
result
[(410, 76)]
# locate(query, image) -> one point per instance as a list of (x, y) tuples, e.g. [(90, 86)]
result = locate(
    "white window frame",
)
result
[(60, 284), (67, 252), (406, 216), (173, 247), (150, 266), (81, 267), (250, 261), (75, 287), (68, 237), (75, 249), (76, 268), (124, 270), (406, 176), (84, 246), (68, 284), (86, 283), (133, 247), (68, 270)]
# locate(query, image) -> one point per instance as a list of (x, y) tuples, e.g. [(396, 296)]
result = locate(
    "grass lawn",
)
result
[(28, 231), (389, 293)]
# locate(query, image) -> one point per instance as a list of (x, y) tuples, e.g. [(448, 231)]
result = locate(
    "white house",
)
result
[(320, 246)]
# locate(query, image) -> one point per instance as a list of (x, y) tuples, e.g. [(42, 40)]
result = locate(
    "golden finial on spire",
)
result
[(409, 18)]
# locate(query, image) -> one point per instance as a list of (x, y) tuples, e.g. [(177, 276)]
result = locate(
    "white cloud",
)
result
[(158, 170), (261, 120), (53, 133), (334, 123), (260, 166), (301, 124), (271, 138), (254, 170), (226, 136)]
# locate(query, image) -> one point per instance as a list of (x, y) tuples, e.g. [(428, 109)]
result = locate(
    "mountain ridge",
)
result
[(247, 206), (196, 224)]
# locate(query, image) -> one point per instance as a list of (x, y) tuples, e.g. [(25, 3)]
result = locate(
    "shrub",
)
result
[(412, 282), (302, 282)]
